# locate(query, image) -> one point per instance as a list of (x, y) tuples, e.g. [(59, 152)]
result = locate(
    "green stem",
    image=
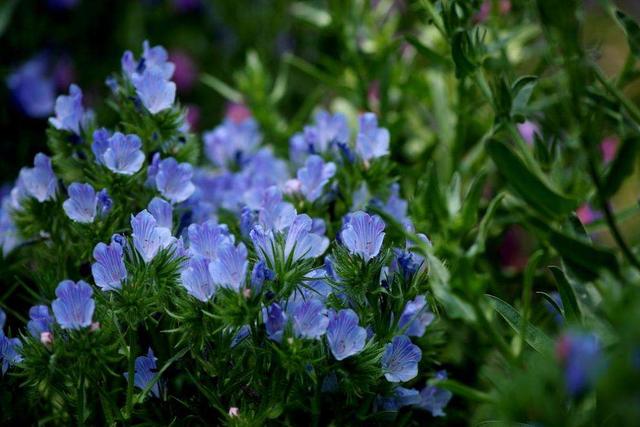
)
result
[(633, 111), (131, 374), (526, 298)]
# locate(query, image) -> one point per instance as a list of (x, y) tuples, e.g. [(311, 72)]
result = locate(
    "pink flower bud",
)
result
[(46, 338), (234, 411)]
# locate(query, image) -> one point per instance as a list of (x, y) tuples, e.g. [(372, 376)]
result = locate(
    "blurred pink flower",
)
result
[(186, 71), (237, 112), (609, 147), (505, 7), (483, 13), (587, 215), (528, 130)]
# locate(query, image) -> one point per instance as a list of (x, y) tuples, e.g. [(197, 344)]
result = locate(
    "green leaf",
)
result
[(632, 30), (622, 166), (528, 184), (221, 87), (483, 229), (311, 14), (537, 339), (455, 307), (471, 203), (462, 53), (433, 57), (521, 91), (569, 301)]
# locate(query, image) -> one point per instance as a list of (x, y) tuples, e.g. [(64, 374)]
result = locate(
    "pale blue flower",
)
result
[(156, 93), (372, 142), (260, 274), (314, 286), (274, 214), (401, 397), (153, 58), (344, 336), (196, 279), (583, 360), (3, 319), (415, 317), (400, 360), (314, 176), (109, 270), (328, 129), (434, 399), (174, 180), (148, 238), (275, 320), (310, 319), (162, 212), (9, 234), (264, 242), (74, 305), (230, 143), (205, 239), (123, 155), (100, 143), (40, 182), (230, 267), (301, 242), (145, 371), (81, 206), (396, 206), (69, 111), (40, 320), (105, 203), (363, 234), (31, 88), (9, 352)]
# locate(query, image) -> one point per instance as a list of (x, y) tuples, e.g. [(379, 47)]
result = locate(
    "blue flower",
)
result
[(259, 275), (274, 214), (314, 176), (231, 142), (275, 320), (69, 111), (174, 180), (73, 307), (415, 317), (100, 143), (207, 238), (434, 399), (145, 372), (196, 279), (583, 361), (3, 319), (310, 319), (264, 243), (400, 360), (162, 212), (109, 270), (401, 397), (40, 181), (153, 58), (396, 206), (148, 238), (40, 320), (156, 93), (9, 235), (230, 267), (81, 206), (240, 336), (328, 129), (301, 242), (372, 142), (344, 336), (105, 203), (363, 234), (314, 286), (31, 89), (9, 352), (123, 155)]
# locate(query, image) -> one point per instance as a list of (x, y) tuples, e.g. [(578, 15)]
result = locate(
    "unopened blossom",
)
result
[(145, 371), (260, 274), (109, 271), (40, 320), (314, 176), (372, 141), (344, 336), (400, 360), (275, 320), (363, 234)]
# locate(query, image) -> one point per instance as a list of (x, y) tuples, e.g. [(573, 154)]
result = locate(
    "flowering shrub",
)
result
[(358, 269)]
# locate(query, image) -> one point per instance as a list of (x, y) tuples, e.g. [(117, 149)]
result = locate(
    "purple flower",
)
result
[(196, 279), (69, 111), (207, 238), (310, 319), (314, 176), (528, 131), (109, 270), (400, 360), (372, 142), (73, 307), (40, 181), (344, 336), (434, 399), (328, 129), (302, 242), (415, 317), (230, 267), (174, 180), (9, 352), (155, 92), (82, 203), (162, 212), (583, 361), (122, 155), (31, 89), (148, 238), (229, 143), (363, 234), (145, 372), (275, 320), (40, 320)]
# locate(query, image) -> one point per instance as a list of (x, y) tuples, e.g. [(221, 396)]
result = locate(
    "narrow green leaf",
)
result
[(537, 339), (528, 184), (221, 87), (569, 301), (622, 166), (483, 229), (433, 57), (311, 14), (471, 202), (521, 91), (632, 30)]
